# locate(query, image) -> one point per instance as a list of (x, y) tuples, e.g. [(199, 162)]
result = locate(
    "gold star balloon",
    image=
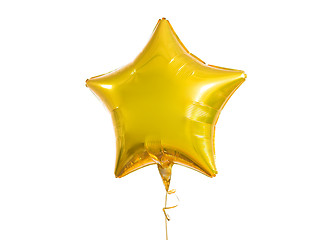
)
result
[(165, 105)]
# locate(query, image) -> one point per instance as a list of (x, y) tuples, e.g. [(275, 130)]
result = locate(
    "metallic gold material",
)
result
[(165, 105), (167, 217)]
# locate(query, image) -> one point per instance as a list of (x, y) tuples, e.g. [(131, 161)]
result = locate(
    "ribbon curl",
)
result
[(167, 217)]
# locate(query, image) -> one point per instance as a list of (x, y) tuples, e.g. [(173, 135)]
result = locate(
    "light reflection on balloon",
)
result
[(165, 105)]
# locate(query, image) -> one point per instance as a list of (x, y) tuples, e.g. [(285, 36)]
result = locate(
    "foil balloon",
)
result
[(165, 105)]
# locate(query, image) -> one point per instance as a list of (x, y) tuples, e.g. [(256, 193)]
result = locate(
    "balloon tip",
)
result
[(163, 19), (215, 172), (86, 82)]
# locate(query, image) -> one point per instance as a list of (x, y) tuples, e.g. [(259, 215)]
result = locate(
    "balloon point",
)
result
[(86, 82)]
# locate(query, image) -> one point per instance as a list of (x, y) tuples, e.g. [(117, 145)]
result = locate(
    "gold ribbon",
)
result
[(167, 217)]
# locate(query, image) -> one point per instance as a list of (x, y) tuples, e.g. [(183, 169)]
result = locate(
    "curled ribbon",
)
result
[(170, 192)]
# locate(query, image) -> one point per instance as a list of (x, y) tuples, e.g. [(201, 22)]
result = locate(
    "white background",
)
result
[(274, 139)]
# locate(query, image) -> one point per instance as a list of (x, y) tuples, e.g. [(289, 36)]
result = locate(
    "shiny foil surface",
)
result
[(165, 105)]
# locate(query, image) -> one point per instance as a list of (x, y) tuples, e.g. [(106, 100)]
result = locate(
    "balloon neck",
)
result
[(165, 169)]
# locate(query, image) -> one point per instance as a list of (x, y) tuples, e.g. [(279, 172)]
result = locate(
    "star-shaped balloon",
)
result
[(165, 105)]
